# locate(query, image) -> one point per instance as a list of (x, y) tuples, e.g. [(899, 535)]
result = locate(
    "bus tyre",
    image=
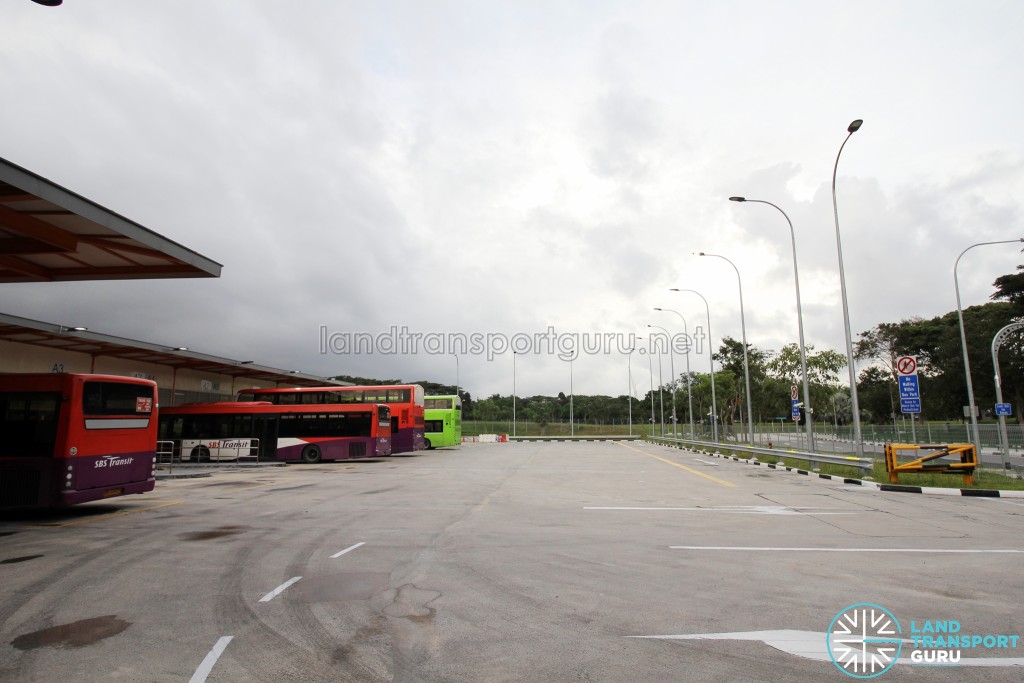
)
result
[(200, 454), (311, 454), (426, 442)]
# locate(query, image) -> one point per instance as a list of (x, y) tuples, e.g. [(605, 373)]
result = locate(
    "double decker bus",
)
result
[(206, 432), (72, 438), (442, 421), (405, 401)]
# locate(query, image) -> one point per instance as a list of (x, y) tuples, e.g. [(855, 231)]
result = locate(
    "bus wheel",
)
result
[(200, 454), (311, 454), (426, 442)]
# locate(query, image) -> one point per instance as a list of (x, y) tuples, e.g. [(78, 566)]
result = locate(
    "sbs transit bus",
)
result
[(442, 421), (204, 432), (405, 401), (73, 438)]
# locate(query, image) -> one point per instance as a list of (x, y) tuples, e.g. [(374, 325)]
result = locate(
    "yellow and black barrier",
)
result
[(964, 451)]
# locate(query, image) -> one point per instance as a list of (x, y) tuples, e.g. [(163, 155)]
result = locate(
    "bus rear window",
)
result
[(28, 423), (437, 403), (116, 398)]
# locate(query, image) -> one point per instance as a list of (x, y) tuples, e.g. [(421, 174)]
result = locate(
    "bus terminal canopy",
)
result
[(49, 234), (80, 340)]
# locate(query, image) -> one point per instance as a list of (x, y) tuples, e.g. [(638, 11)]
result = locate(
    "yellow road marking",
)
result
[(723, 482), (110, 515)]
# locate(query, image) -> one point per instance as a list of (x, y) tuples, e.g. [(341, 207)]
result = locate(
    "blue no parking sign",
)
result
[(910, 389)]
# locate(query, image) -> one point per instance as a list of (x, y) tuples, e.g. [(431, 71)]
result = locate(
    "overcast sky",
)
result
[(509, 167)]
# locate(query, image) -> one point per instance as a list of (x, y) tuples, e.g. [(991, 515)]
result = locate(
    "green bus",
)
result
[(442, 421)]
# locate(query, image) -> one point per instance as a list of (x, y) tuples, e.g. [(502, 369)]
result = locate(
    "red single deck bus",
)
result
[(264, 431), (67, 438), (405, 401)]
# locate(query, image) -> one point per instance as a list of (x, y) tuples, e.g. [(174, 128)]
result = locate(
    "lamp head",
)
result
[(855, 126), (737, 199)]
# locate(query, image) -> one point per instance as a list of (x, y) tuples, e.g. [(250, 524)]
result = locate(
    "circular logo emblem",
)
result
[(73, 451), (864, 640)]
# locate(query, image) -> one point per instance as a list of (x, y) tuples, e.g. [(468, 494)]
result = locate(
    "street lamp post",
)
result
[(855, 404), (963, 339), (689, 379), (746, 363), (661, 393), (672, 367), (572, 423), (799, 322), (456, 374), (514, 354), (1004, 442), (650, 366), (711, 360), (629, 394)]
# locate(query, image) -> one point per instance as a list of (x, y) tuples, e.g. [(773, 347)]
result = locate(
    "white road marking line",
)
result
[(848, 550), (350, 548), (812, 645), (280, 589), (206, 666), (734, 509), (706, 462)]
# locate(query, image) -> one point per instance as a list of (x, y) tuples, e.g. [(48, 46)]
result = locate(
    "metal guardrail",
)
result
[(208, 453), (563, 437), (863, 464), (165, 454)]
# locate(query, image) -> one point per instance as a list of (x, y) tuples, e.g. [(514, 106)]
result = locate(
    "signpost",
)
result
[(910, 389), (1003, 409), (794, 401)]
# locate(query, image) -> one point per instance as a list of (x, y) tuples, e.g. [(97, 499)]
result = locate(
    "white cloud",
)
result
[(503, 167)]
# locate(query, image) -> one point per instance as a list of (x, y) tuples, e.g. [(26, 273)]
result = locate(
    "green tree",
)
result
[(731, 404), (1010, 288)]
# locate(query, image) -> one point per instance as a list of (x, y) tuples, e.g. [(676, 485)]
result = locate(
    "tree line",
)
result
[(935, 341)]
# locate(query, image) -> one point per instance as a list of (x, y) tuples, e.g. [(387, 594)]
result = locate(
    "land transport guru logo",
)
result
[(865, 640)]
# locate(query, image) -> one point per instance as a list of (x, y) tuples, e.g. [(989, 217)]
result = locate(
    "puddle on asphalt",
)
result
[(76, 634), (220, 532), (411, 602), (342, 587), (370, 493)]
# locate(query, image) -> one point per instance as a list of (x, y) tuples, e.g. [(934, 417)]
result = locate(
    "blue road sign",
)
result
[(1003, 409), (909, 388), (910, 405), (796, 409)]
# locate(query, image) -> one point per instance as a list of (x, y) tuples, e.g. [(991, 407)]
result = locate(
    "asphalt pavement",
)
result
[(502, 562)]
